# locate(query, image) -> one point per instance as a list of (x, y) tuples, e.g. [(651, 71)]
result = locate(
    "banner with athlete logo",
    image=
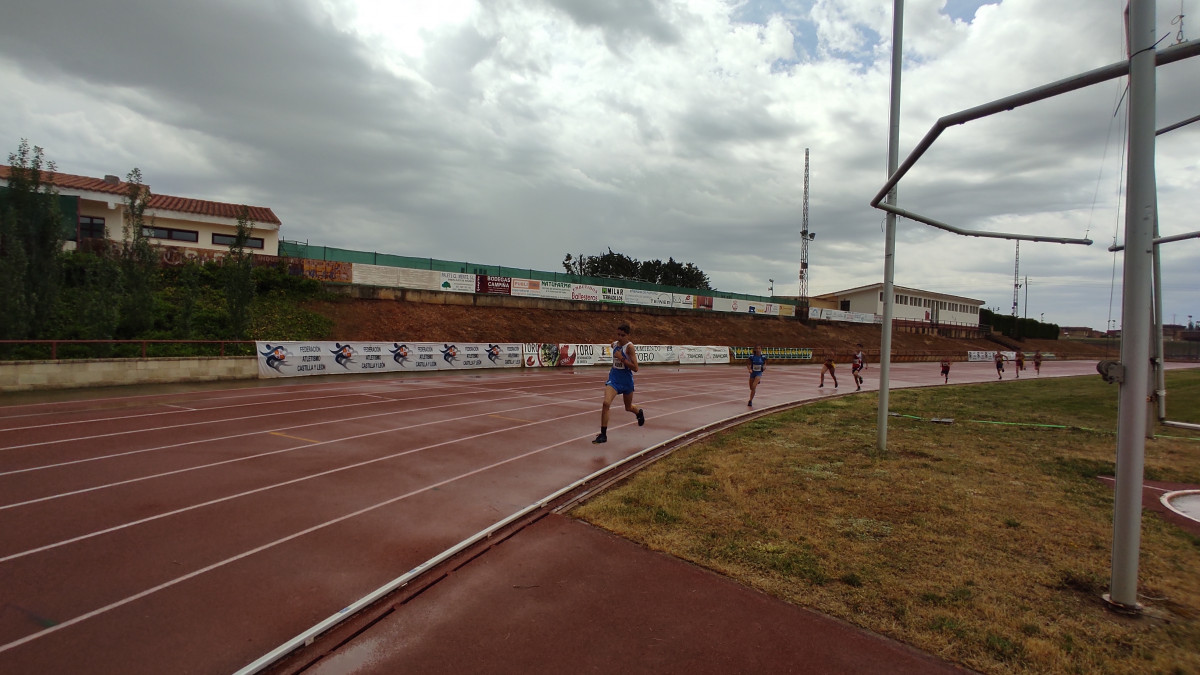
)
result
[(555, 355), (700, 355), (291, 359)]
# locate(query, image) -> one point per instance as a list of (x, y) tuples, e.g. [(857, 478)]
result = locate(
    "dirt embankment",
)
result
[(383, 320)]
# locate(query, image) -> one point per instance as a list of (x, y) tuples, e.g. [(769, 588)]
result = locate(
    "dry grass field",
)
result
[(986, 541)]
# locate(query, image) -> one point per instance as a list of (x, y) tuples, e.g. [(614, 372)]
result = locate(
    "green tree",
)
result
[(238, 269), (31, 245), (138, 262), (621, 266)]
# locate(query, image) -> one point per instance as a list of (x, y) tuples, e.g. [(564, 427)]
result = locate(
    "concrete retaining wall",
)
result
[(68, 374)]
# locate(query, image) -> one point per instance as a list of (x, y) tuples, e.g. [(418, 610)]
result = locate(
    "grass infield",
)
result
[(988, 545)]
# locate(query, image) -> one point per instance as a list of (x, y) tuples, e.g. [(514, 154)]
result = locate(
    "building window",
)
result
[(171, 234), (91, 227), (229, 239)]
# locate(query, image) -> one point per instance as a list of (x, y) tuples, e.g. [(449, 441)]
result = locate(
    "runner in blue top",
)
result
[(620, 381), (757, 365)]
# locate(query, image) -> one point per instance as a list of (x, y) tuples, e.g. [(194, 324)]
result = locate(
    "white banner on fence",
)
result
[(716, 354), (693, 354), (612, 294), (637, 296), (456, 282), (289, 359), (375, 275), (526, 288), (552, 355), (428, 280), (989, 356), (683, 301), (586, 292)]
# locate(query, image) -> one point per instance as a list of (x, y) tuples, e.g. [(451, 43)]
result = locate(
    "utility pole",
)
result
[(1026, 296), (805, 237)]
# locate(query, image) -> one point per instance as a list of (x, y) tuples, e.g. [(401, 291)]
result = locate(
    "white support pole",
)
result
[(1135, 308), (889, 252)]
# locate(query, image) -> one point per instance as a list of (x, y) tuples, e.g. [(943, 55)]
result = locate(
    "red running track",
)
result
[(194, 531)]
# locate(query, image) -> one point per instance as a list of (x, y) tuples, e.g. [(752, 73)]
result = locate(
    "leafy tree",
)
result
[(621, 266), (30, 246), (239, 276), (138, 262)]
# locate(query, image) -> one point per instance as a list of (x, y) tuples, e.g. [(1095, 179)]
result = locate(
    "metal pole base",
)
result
[(1121, 608)]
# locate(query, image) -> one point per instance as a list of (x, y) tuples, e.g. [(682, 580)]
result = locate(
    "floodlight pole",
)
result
[(1135, 311), (889, 253)]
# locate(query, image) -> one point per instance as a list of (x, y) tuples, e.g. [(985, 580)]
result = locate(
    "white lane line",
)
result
[(253, 433), (137, 596), (241, 435), (311, 444), (302, 478)]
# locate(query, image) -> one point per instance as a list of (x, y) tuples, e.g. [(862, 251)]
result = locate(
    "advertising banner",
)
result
[(456, 282), (327, 270), (289, 359), (727, 305), (702, 302), (787, 310), (492, 285), (557, 290), (814, 312), (585, 292), (774, 353), (693, 354), (526, 288), (551, 355), (427, 280), (612, 294), (375, 275), (716, 354), (683, 301), (637, 296)]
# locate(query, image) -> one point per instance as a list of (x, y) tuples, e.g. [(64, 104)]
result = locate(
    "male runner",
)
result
[(1037, 362), (999, 366), (829, 366), (857, 364), (1020, 361), (945, 370), (620, 381)]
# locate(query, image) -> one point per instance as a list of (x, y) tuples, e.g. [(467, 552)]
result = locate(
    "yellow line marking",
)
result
[(306, 440), (512, 418)]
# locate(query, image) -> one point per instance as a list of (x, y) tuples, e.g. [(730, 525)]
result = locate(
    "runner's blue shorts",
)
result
[(620, 380)]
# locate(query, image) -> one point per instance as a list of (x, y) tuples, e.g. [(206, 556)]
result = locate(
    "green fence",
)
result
[(293, 249)]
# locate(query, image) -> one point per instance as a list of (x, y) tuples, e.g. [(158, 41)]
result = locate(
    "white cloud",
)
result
[(514, 132)]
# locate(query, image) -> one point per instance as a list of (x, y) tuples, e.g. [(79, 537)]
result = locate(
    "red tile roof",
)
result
[(257, 214)]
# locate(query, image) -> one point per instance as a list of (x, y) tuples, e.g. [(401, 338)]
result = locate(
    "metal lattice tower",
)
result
[(805, 237), (1016, 281)]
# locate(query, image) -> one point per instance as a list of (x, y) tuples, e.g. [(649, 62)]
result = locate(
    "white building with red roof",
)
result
[(171, 222)]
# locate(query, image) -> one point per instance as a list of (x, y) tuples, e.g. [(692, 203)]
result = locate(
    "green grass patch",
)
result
[(987, 544)]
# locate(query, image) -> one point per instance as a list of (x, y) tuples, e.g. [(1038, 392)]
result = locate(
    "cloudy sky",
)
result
[(513, 132)]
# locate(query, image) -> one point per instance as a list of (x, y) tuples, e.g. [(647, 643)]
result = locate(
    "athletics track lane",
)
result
[(195, 531)]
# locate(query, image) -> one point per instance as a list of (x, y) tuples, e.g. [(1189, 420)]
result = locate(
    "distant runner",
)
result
[(945, 370), (1037, 362), (857, 364), (999, 366), (829, 366), (757, 365), (1020, 361)]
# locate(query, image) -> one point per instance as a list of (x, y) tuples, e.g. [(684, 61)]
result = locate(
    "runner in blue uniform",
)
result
[(620, 381), (757, 365)]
